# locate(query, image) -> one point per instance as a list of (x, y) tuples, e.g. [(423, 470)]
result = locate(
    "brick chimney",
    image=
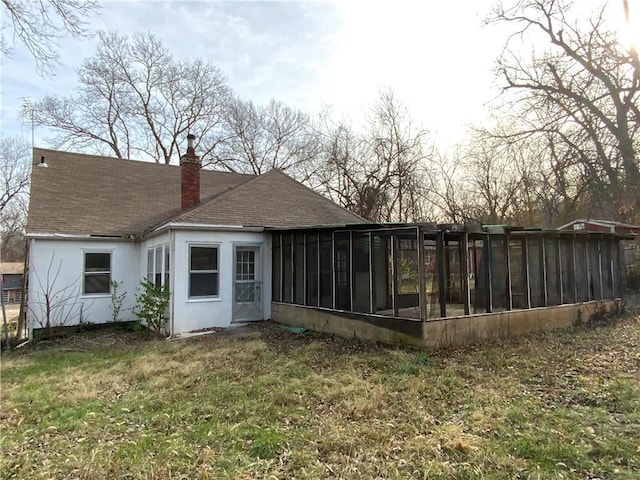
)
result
[(190, 175)]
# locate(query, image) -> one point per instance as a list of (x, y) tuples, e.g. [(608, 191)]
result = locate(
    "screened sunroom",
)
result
[(427, 271)]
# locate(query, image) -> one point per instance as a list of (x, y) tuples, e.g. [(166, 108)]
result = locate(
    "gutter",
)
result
[(200, 226), (68, 236)]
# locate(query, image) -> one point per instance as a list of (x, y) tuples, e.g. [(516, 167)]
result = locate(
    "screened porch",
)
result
[(428, 271)]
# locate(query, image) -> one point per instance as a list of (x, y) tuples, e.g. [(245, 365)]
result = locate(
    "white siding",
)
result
[(64, 260), (56, 267), (194, 314)]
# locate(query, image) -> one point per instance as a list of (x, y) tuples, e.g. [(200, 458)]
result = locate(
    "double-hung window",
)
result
[(158, 265), (97, 273), (203, 271)]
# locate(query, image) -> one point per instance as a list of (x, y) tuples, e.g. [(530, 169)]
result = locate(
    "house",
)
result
[(11, 273), (97, 226), (630, 247), (235, 248), (601, 226)]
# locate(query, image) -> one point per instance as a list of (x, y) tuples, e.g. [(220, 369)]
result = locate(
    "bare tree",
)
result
[(39, 24), (12, 230), (397, 149), (259, 138), (135, 98), (452, 199), (52, 303), (15, 156), (380, 172), (583, 90), (345, 174)]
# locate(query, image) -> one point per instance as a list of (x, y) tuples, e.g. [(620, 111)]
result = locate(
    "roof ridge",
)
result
[(209, 200), (211, 203), (136, 161), (277, 170), (105, 157), (114, 196), (219, 196)]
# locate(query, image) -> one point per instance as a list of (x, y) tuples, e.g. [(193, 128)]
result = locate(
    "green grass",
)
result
[(262, 402)]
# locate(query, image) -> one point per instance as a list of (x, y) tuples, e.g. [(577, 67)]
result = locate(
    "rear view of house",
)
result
[(233, 248), (97, 226)]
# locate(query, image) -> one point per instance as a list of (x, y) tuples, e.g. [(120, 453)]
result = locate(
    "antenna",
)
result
[(27, 108)]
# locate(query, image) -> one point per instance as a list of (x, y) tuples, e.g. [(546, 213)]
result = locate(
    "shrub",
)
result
[(152, 305), (117, 301)]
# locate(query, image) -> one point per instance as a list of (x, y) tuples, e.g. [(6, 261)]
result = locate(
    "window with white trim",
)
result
[(97, 273), (158, 265), (203, 271)]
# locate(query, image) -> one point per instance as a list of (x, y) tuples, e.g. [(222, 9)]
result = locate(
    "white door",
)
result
[(247, 286)]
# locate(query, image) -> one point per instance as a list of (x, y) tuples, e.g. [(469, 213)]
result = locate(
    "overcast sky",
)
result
[(436, 55)]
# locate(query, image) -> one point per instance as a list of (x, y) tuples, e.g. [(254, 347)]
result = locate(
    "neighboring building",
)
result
[(630, 247), (12, 281), (98, 220), (601, 226)]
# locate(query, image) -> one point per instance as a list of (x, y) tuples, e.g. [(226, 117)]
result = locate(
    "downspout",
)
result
[(172, 281), (29, 320)]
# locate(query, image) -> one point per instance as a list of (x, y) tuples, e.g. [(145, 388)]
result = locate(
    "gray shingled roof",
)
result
[(270, 200), (93, 195)]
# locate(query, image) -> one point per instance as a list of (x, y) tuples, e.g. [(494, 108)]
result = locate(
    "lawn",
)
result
[(262, 402)]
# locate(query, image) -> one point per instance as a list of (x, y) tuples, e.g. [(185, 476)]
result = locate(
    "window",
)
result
[(158, 270), (167, 274), (245, 265), (150, 264), (203, 271), (158, 265), (276, 270), (97, 273)]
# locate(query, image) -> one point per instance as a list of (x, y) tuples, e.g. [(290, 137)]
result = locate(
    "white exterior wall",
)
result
[(194, 314), (56, 267), (129, 266)]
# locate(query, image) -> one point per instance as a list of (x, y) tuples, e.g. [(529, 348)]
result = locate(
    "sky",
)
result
[(435, 55)]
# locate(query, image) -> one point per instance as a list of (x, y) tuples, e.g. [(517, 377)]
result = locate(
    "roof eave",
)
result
[(202, 226), (77, 236)]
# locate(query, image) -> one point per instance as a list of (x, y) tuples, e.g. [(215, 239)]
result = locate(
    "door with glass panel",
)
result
[(247, 288)]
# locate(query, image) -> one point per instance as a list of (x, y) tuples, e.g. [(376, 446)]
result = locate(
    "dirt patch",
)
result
[(283, 340), (91, 337)]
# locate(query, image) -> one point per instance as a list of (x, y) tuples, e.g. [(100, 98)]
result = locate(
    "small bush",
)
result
[(117, 301), (152, 305)]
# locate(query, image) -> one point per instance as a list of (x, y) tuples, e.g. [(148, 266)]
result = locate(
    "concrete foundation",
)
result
[(444, 332)]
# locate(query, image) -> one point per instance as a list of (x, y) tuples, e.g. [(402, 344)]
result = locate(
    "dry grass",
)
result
[(264, 403)]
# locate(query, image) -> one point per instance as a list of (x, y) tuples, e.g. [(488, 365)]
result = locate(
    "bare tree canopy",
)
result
[(581, 93), (259, 138), (378, 174), (15, 155), (135, 99), (39, 24), (15, 160)]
